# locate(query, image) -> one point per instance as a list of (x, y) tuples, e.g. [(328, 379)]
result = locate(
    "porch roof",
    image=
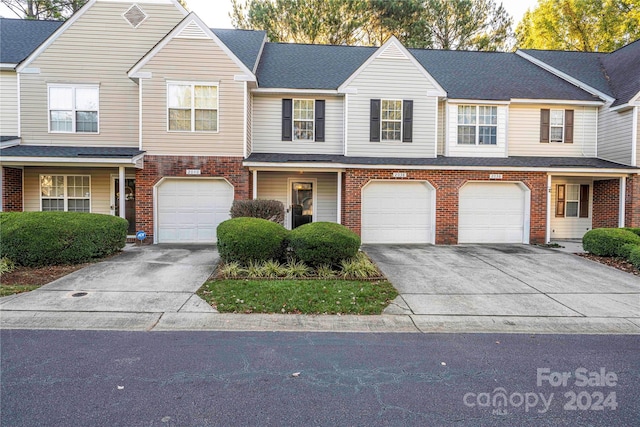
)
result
[(69, 154), (440, 162)]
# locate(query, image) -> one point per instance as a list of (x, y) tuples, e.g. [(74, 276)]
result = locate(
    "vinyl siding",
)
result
[(570, 228), (395, 79), (524, 132), (615, 135), (99, 48), (267, 126), (208, 63), (463, 150), (249, 123), (442, 120), (8, 103), (274, 186), (100, 186), (638, 136)]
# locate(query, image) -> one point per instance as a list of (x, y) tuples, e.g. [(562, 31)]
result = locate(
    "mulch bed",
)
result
[(38, 275), (619, 263)]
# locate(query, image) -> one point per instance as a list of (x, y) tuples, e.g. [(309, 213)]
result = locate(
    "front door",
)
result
[(301, 203), (130, 202)]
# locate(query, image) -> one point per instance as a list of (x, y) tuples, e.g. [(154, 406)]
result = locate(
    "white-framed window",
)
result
[(303, 119), (192, 107), (556, 126), (572, 200), (391, 120), (73, 108), (477, 125), (69, 193)]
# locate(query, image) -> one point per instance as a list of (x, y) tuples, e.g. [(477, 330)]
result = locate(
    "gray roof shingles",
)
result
[(245, 44), (490, 162), (20, 37), (623, 69), (71, 152)]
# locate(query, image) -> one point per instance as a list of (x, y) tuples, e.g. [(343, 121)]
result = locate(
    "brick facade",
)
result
[(632, 202), (12, 190), (447, 184), (606, 203), (158, 167)]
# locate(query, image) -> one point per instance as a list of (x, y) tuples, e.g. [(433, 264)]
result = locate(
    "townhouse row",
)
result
[(138, 109)]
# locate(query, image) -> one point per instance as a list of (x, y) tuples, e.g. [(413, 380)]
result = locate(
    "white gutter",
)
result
[(555, 101), (296, 91), (70, 160)]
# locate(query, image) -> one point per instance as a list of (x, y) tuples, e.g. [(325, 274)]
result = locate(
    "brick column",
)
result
[(12, 190), (632, 202)]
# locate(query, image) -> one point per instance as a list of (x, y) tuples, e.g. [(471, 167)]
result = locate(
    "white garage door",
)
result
[(189, 210), (397, 212), (491, 213)]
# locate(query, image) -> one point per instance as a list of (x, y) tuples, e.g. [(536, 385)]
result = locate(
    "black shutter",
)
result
[(374, 124), (560, 198), (545, 116), (568, 126), (407, 119), (319, 120), (287, 124), (584, 201)]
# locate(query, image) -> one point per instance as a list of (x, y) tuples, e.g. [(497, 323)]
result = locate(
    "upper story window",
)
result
[(477, 125), (70, 193), (556, 126), (303, 120), (391, 120), (192, 107), (73, 108)]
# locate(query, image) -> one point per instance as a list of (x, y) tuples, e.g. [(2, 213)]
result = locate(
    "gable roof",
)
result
[(623, 69), (20, 37), (245, 44), (308, 66), (616, 74), (495, 76)]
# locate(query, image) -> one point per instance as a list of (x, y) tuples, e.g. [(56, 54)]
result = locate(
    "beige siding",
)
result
[(442, 120), (99, 48), (524, 132), (615, 135), (392, 79), (100, 186), (637, 136), (267, 126), (207, 63), (569, 228), (274, 186), (249, 123), (8, 103), (480, 150)]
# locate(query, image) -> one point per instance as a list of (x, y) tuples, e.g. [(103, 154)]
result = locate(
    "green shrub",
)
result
[(608, 241), (54, 238), (251, 239), (6, 265), (323, 243), (633, 230), (232, 270), (296, 269), (626, 249), (359, 267), (634, 257), (272, 210)]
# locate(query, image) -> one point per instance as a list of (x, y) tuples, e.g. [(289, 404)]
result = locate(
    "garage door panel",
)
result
[(491, 213), (189, 211), (397, 212)]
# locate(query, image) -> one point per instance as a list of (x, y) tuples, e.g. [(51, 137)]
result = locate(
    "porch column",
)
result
[(339, 215), (623, 196), (548, 221), (254, 174), (121, 190)]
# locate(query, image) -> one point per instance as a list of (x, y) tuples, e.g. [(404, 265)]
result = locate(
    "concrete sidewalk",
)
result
[(152, 288)]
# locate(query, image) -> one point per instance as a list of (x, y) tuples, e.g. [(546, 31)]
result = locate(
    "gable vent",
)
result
[(392, 52), (192, 31), (134, 16)]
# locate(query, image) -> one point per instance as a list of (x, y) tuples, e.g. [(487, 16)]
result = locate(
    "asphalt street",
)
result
[(102, 378)]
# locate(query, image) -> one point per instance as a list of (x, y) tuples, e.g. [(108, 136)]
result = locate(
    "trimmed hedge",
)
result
[(634, 256), (320, 243), (251, 239), (273, 210), (35, 239), (633, 230), (609, 241)]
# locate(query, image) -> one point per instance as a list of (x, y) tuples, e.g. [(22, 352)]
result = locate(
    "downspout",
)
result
[(548, 221)]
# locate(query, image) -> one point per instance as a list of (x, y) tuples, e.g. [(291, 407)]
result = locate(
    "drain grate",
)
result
[(79, 294)]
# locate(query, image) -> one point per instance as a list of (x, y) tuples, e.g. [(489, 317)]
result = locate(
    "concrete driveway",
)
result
[(526, 286), (133, 289)]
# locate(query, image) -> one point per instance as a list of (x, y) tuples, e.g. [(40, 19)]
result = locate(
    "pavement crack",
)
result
[(150, 328)]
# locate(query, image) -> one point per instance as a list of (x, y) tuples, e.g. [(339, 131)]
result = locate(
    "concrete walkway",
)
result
[(443, 289)]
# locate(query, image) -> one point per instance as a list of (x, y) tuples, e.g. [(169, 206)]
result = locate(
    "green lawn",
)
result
[(298, 296), (6, 290)]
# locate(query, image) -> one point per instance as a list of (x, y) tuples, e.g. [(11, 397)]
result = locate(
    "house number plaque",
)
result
[(495, 176), (193, 171), (399, 174)]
